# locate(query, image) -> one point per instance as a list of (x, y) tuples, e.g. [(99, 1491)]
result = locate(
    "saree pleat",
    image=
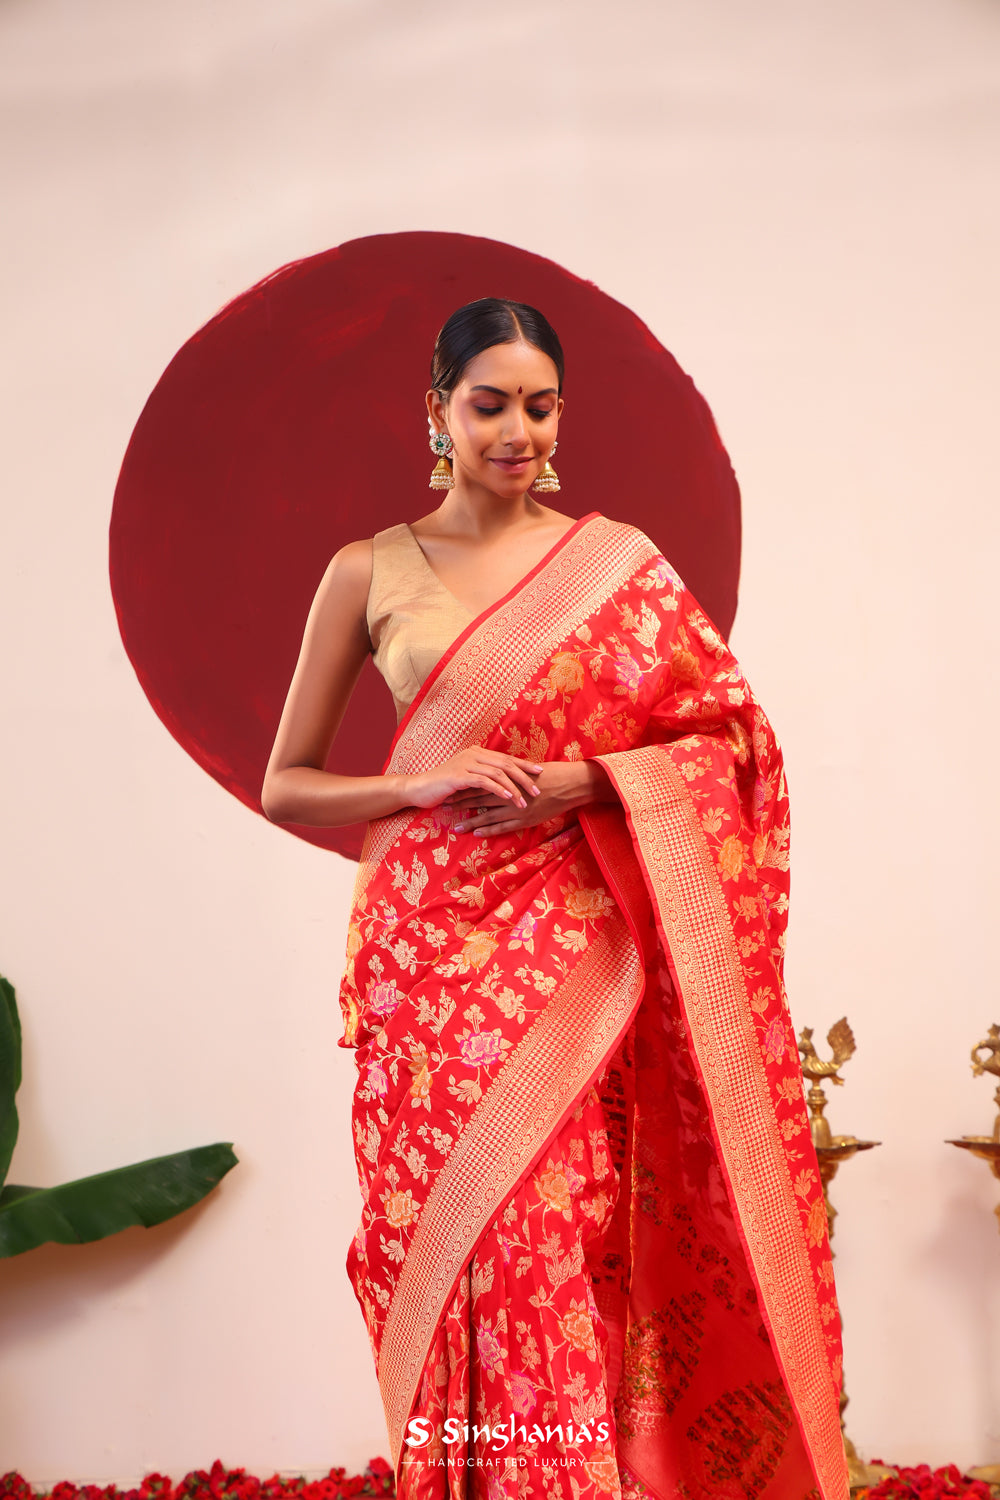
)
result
[(522, 1349), (592, 1257)]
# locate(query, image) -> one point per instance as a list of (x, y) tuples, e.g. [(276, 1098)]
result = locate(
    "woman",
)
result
[(592, 1257)]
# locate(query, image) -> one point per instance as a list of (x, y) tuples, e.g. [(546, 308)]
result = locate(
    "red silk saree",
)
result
[(593, 1255)]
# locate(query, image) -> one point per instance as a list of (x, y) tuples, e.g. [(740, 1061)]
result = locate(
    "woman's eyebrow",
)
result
[(494, 390)]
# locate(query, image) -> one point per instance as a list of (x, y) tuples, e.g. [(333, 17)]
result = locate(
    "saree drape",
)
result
[(592, 1255)]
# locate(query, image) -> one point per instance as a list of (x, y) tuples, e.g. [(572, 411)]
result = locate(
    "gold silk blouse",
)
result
[(412, 617)]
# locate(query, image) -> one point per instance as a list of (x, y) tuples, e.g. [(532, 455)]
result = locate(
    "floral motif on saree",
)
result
[(592, 1256)]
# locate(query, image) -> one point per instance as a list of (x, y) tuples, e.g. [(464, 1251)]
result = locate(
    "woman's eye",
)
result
[(533, 411)]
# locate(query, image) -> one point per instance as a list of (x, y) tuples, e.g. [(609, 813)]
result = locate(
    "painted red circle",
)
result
[(294, 422)]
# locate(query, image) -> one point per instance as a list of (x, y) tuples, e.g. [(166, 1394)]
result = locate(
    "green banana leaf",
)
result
[(10, 1072), (90, 1208), (147, 1192)]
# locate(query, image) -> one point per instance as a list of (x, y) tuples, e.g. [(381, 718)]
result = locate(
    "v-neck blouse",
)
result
[(412, 617)]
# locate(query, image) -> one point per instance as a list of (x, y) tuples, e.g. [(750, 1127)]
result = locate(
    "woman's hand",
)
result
[(560, 785), (478, 775)]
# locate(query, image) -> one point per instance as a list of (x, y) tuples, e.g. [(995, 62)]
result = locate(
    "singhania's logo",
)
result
[(419, 1432)]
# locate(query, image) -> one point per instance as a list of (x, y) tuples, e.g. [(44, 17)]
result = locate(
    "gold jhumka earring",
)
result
[(441, 475), (548, 480)]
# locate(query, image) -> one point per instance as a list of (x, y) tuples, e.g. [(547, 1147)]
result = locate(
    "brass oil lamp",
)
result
[(987, 1148), (831, 1150)]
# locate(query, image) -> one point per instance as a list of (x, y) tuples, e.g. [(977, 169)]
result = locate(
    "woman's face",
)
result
[(503, 417)]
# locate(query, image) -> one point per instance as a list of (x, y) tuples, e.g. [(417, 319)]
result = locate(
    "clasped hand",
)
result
[(495, 793)]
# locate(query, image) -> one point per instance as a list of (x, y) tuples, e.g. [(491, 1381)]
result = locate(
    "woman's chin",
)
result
[(507, 486)]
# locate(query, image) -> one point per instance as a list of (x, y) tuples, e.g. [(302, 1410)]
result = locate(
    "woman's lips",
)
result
[(514, 465)]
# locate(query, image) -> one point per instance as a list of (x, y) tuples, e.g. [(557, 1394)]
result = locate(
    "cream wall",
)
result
[(800, 199)]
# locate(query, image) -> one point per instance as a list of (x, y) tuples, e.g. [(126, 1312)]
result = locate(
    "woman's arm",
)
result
[(335, 643), (296, 788)]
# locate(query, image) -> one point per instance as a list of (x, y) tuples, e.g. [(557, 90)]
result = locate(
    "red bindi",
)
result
[(519, 390)]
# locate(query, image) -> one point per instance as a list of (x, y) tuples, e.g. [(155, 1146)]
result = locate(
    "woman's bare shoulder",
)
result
[(354, 557), (351, 566), (347, 580)]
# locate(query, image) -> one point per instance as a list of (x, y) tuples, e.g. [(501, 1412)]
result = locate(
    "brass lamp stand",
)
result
[(831, 1151), (987, 1148)]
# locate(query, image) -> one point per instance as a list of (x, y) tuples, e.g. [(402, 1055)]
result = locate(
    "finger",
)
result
[(468, 819), (472, 825), (533, 767), (516, 768), (486, 820), (489, 830), (497, 781), (499, 758), (525, 773), (526, 782), (479, 789)]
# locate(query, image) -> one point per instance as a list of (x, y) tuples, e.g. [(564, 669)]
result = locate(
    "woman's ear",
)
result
[(437, 410)]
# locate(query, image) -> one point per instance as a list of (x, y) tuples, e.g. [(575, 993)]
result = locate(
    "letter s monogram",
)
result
[(418, 1431)]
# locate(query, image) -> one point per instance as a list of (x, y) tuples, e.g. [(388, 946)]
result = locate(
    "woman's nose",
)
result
[(515, 430)]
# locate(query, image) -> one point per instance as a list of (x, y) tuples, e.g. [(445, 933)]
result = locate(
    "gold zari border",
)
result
[(685, 886), (580, 1025)]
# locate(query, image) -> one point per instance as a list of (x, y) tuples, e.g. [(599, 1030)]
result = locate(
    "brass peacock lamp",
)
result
[(987, 1148), (831, 1150)]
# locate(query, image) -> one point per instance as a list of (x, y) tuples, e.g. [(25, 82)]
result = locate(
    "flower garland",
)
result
[(924, 1483), (217, 1483)]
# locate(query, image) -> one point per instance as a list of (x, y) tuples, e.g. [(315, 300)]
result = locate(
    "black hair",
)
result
[(481, 324)]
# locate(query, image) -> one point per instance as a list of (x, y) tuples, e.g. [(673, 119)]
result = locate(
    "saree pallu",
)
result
[(593, 1255)]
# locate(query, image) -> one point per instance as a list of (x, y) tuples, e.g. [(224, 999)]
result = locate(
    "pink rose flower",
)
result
[(480, 1048), (377, 1079), (627, 671), (384, 997), (489, 1347), (776, 1039), (523, 929)]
